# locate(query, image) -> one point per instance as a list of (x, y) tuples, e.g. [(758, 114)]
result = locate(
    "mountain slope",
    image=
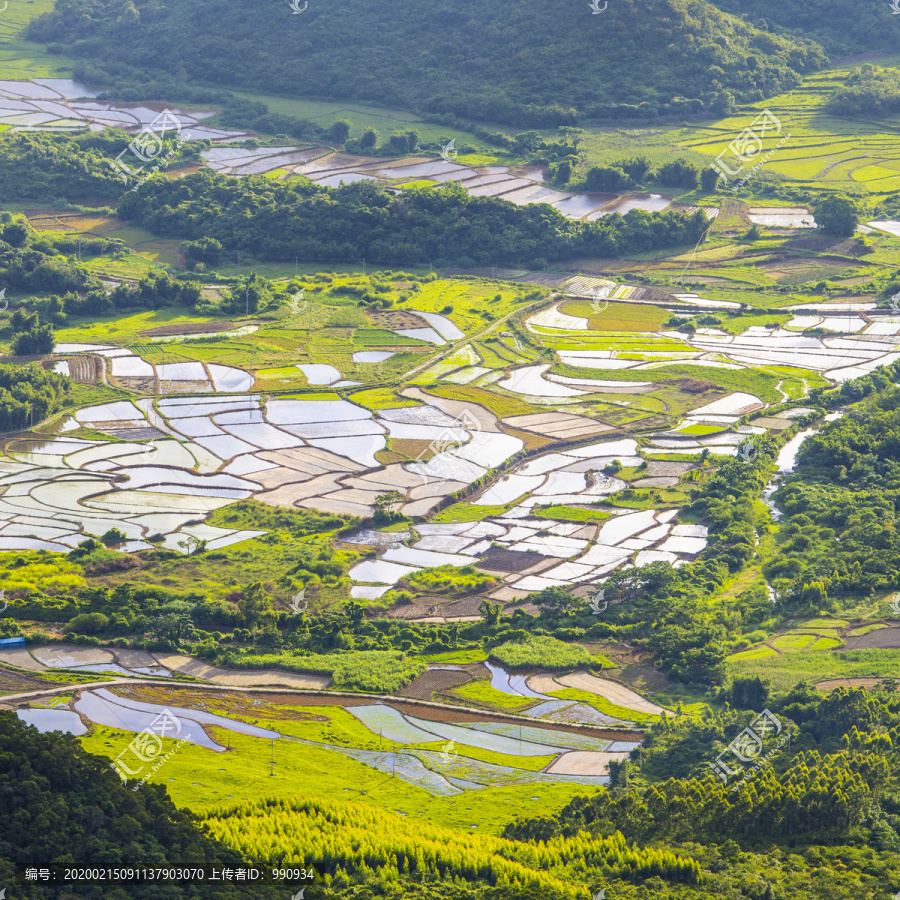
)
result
[(840, 26), (536, 64)]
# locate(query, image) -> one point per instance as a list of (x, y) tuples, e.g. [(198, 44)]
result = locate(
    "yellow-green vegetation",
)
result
[(420, 183), (32, 572), (793, 641), (364, 115), (618, 317), (700, 430), (784, 671), (572, 514), (344, 833), (761, 652), (376, 671), (23, 59), (204, 780), (467, 512), (380, 398), (126, 329), (541, 651), (452, 580), (482, 692)]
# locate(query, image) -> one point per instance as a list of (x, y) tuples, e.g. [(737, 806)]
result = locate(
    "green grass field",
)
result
[(203, 779)]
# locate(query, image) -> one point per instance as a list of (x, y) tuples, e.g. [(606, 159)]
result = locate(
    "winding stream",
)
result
[(786, 461)]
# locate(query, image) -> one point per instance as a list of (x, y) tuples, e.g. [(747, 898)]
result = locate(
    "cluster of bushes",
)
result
[(637, 171), (29, 393), (153, 291)]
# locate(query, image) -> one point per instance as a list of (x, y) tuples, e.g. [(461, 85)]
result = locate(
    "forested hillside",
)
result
[(546, 65), (279, 220), (840, 26), (65, 807)]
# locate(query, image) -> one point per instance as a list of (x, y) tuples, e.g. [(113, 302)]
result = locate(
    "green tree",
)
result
[(339, 131), (490, 612), (556, 600), (255, 604), (607, 179), (369, 140), (837, 214), (709, 179)]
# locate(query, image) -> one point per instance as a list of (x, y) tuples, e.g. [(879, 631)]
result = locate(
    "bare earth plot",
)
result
[(584, 762), (611, 690)]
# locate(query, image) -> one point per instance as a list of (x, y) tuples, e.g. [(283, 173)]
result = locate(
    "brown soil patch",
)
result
[(398, 319), (192, 328), (433, 681), (409, 449), (19, 683), (834, 683), (883, 639), (496, 560), (643, 679), (584, 762), (143, 384), (389, 457)]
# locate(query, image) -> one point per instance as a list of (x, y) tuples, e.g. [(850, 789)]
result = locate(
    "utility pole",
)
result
[(247, 302)]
